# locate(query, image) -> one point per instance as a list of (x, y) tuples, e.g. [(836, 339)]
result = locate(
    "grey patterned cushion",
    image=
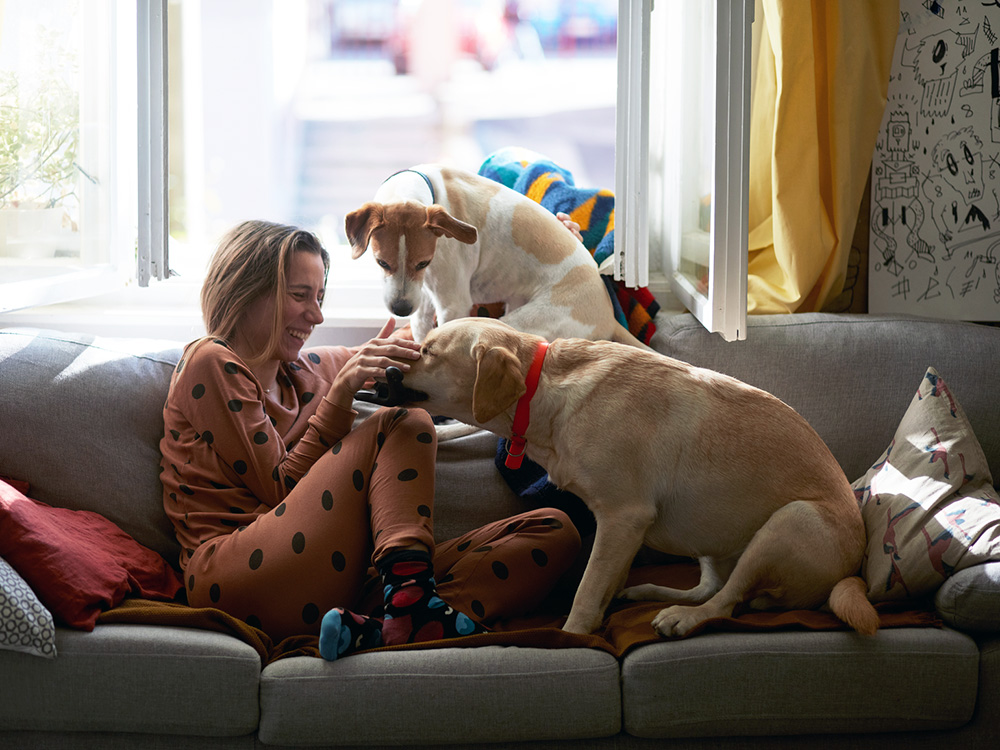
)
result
[(25, 625)]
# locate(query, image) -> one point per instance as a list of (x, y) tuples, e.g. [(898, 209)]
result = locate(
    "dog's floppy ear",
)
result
[(358, 225), (441, 222), (499, 381)]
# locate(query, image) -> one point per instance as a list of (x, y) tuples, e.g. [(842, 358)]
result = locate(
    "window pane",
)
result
[(57, 161), (698, 146)]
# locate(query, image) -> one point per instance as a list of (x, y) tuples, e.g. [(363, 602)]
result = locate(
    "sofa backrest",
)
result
[(81, 416), (853, 376), (81, 419)]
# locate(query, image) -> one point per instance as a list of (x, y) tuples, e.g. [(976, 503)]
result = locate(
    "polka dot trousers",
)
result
[(373, 492)]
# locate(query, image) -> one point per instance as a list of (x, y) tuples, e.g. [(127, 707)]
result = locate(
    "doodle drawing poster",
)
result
[(935, 223)]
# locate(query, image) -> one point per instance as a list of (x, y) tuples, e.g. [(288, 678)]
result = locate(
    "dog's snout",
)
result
[(403, 308)]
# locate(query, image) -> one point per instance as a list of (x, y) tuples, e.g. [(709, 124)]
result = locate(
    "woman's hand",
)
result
[(369, 362), (571, 225)]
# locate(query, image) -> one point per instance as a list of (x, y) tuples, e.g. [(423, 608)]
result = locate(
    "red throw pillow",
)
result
[(78, 562)]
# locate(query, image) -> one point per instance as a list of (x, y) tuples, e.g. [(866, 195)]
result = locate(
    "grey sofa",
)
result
[(80, 419)]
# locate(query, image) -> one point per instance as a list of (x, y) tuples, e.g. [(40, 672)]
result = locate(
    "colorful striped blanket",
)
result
[(547, 183)]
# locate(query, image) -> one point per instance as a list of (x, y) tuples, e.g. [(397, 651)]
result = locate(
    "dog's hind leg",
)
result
[(776, 569), (712, 577)]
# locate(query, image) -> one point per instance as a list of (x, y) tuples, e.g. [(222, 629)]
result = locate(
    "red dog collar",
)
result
[(517, 442)]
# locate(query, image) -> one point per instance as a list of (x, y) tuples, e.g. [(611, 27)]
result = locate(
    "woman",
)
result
[(280, 506)]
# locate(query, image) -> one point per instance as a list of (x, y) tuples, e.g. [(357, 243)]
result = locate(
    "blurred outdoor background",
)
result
[(296, 110)]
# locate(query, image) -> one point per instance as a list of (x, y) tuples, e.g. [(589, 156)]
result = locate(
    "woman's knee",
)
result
[(564, 536), (403, 419)]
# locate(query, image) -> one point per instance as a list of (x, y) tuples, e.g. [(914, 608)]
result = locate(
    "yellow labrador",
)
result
[(685, 460)]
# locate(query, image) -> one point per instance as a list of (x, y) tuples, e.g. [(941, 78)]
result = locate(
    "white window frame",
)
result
[(648, 189), (152, 259), (135, 76)]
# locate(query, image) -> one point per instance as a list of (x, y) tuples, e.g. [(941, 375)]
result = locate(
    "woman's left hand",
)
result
[(369, 363), (571, 225)]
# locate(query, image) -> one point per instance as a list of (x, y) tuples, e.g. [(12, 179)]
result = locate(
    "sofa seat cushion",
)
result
[(134, 678), (448, 696), (723, 684)]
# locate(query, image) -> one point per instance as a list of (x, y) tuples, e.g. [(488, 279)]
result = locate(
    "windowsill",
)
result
[(171, 311)]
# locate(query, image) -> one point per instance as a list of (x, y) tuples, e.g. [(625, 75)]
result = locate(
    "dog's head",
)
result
[(472, 369), (403, 238)]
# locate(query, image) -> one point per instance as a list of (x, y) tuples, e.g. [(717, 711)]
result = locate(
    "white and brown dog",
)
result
[(689, 461), (446, 238)]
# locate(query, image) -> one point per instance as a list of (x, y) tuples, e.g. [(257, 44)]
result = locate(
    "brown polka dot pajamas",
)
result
[(281, 511)]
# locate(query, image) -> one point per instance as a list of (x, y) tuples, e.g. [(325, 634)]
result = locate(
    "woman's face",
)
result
[(301, 302)]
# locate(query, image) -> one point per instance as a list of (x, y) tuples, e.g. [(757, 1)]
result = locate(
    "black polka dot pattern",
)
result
[(338, 561), (298, 531)]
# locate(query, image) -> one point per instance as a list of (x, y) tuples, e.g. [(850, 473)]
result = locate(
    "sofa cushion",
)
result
[(82, 418), (450, 696), (928, 502), (970, 599), (851, 376), (25, 624), (722, 684), (134, 678), (77, 561)]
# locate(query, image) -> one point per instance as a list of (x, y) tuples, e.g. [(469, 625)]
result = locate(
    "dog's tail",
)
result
[(849, 602), (622, 335)]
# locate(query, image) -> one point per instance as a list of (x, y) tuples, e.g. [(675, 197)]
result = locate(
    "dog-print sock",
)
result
[(342, 632), (413, 610)]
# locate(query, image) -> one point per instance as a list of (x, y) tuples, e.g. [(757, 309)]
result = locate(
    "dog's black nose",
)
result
[(403, 308), (392, 392)]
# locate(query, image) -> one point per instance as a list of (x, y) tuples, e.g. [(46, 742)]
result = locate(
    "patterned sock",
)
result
[(413, 610), (342, 632)]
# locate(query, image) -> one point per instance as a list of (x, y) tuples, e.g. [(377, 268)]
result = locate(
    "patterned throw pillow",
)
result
[(928, 503), (25, 625)]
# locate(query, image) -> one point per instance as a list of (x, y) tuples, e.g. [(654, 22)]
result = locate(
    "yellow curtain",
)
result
[(822, 77)]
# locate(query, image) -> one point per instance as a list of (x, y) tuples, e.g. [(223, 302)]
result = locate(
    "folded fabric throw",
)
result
[(547, 183)]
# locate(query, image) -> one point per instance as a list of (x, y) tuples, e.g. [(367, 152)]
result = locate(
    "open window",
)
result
[(70, 119), (683, 153)]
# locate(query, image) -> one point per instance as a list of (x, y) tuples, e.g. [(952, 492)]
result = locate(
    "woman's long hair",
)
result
[(251, 263)]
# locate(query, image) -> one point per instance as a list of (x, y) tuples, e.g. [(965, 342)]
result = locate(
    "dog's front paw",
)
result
[(677, 621), (581, 625)]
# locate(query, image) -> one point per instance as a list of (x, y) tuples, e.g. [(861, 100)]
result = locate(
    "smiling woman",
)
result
[(280, 503)]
